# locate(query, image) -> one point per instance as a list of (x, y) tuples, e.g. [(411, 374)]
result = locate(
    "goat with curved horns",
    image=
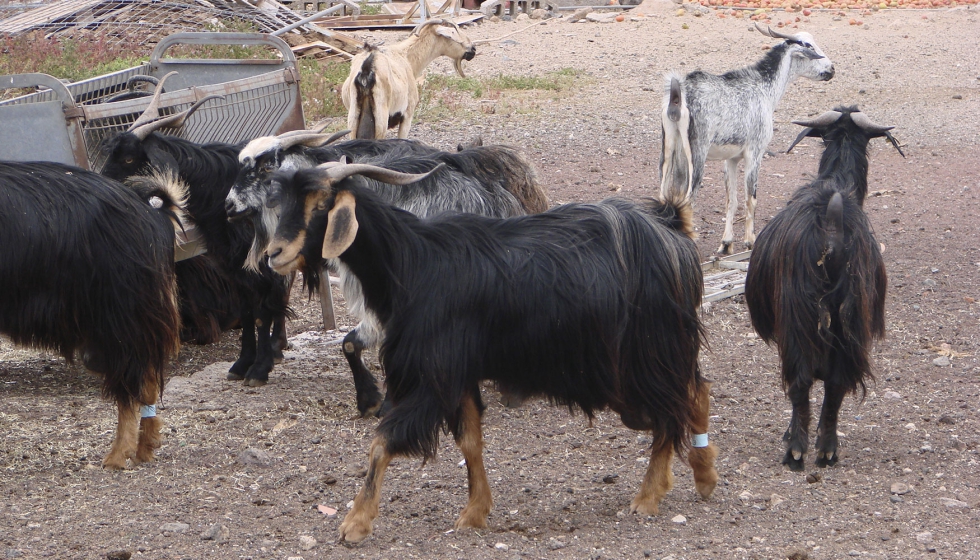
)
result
[(382, 90), (590, 305), (209, 170), (729, 117), (816, 282)]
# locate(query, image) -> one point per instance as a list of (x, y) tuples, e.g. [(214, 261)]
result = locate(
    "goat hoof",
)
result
[(724, 250), (794, 464), (277, 356), (232, 376), (256, 382), (239, 370), (826, 459)]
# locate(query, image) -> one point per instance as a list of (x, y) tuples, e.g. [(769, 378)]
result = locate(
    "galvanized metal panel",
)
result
[(20, 125)]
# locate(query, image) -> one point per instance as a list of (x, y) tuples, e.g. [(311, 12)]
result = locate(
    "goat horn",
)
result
[(152, 110), (337, 171), (828, 118), (774, 34), (305, 138), (173, 121), (866, 125), (418, 28)]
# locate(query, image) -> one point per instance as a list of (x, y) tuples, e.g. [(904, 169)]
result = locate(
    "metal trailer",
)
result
[(68, 123)]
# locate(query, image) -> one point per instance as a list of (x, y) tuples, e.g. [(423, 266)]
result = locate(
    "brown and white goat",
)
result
[(382, 90)]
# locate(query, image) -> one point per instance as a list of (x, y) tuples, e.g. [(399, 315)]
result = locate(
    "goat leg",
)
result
[(827, 428), (470, 442), (702, 459), (246, 357), (731, 205), (357, 525), (258, 372), (798, 434), (127, 436), (656, 483), (369, 399)]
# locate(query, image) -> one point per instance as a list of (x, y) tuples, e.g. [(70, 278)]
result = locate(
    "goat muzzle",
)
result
[(469, 54), (825, 76)]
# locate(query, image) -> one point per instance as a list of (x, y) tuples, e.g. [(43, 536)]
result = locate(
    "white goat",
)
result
[(729, 117), (382, 90)]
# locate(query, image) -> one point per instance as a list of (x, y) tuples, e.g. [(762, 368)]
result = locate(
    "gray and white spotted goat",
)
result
[(729, 117), (382, 89)]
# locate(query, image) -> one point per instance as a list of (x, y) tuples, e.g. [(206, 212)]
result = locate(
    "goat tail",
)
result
[(164, 191), (676, 163), (364, 84), (677, 213)]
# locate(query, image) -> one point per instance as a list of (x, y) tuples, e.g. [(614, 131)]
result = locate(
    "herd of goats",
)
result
[(455, 266)]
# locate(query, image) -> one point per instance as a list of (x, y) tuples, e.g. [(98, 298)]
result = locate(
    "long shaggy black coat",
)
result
[(86, 265)]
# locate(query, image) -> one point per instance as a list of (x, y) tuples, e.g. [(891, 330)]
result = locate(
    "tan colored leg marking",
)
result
[(127, 435), (471, 444), (702, 459), (656, 483), (357, 524)]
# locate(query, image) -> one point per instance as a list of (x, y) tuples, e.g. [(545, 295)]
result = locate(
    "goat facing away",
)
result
[(491, 181), (382, 90), (87, 266), (209, 170), (729, 117), (590, 305), (816, 282)]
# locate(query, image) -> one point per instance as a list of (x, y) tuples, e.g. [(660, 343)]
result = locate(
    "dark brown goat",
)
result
[(816, 282)]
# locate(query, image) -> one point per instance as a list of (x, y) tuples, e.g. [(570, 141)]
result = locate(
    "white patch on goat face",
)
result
[(813, 69)]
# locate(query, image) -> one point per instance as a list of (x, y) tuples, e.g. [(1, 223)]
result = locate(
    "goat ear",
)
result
[(341, 226)]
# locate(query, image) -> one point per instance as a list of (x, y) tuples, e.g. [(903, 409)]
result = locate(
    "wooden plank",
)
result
[(45, 14)]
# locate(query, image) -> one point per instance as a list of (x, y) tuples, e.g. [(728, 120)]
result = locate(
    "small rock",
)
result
[(929, 282), (895, 499), (647, 553), (253, 456), (941, 361), (610, 478), (522, 17), (900, 488), (555, 544), (539, 13), (813, 478), (114, 555), (216, 532), (957, 96), (926, 448), (775, 500), (745, 496), (174, 528), (328, 480), (580, 14), (502, 546), (924, 537), (853, 553), (679, 519), (956, 504), (307, 542), (267, 543)]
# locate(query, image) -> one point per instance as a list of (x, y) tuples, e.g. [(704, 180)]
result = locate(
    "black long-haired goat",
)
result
[(209, 170), (816, 282), (87, 265), (492, 181), (590, 305)]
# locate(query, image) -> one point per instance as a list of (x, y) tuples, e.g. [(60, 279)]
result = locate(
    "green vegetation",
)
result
[(69, 60), (320, 83)]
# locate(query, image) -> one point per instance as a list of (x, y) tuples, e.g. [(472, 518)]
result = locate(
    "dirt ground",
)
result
[(269, 472)]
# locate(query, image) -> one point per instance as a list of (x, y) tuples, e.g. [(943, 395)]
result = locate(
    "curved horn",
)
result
[(774, 34), (458, 64), (418, 28), (146, 78), (152, 110), (305, 138), (866, 125), (173, 121), (336, 136), (337, 171), (828, 118)]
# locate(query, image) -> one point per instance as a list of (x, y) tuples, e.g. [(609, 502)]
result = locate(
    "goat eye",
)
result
[(128, 160)]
